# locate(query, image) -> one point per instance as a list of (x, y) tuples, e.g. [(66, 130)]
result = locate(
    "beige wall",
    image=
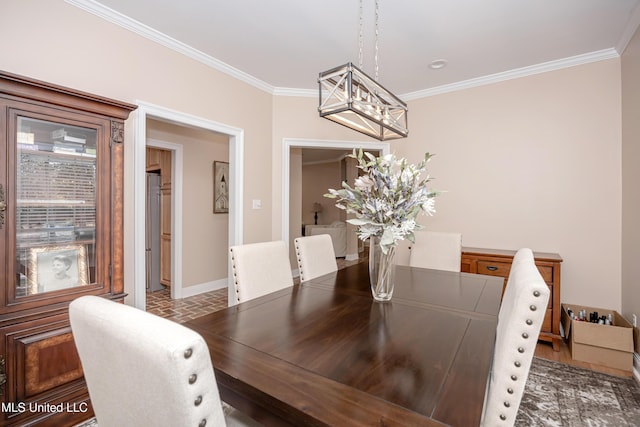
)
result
[(631, 180), (529, 162), (62, 44), (205, 235), (533, 162)]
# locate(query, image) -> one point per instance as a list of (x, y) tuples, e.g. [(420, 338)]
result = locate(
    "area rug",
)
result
[(561, 395)]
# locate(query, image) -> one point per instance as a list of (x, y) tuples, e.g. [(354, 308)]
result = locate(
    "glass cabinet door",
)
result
[(55, 206)]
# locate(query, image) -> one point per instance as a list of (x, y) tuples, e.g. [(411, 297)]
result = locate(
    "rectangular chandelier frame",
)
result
[(351, 98)]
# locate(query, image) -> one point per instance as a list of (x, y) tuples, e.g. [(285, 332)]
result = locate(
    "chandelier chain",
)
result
[(375, 57), (354, 99), (360, 39)]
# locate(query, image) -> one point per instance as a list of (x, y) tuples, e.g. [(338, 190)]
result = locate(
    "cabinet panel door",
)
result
[(546, 271), (165, 261), (41, 363), (546, 323), (57, 201), (165, 235), (153, 159)]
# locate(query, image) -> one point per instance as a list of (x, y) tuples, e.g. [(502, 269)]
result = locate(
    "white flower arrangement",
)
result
[(387, 198)]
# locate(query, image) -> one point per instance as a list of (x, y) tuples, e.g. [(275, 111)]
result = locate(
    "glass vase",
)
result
[(382, 269)]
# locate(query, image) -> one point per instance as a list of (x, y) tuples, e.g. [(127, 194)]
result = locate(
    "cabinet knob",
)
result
[(492, 268)]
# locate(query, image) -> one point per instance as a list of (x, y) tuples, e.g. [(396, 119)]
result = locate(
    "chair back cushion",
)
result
[(315, 256), (524, 305), (437, 250), (141, 369), (260, 268)]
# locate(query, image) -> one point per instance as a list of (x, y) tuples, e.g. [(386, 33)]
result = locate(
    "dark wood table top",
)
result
[(325, 353)]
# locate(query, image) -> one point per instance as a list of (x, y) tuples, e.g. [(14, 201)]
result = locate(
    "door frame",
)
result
[(236, 172), (289, 143)]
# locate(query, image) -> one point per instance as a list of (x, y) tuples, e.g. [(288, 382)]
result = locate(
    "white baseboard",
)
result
[(201, 288)]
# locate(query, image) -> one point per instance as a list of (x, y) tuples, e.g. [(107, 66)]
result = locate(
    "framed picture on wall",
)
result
[(57, 267), (220, 187)]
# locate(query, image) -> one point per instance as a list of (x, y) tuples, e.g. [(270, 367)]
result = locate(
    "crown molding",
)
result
[(515, 74), (139, 28), (289, 91), (629, 30), (485, 80)]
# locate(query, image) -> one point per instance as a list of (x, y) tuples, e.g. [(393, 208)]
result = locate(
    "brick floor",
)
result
[(183, 310)]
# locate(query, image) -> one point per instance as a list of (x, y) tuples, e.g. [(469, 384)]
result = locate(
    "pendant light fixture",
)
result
[(351, 98)]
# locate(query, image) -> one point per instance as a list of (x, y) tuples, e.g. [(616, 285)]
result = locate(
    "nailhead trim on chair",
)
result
[(198, 401), (193, 378), (298, 257), (202, 423), (521, 350), (235, 276), (187, 353)]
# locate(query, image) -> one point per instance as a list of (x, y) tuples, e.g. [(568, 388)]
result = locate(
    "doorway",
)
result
[(235, 227), (288, 144)]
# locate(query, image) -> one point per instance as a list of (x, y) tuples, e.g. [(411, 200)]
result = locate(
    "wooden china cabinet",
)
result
[(61, 237)]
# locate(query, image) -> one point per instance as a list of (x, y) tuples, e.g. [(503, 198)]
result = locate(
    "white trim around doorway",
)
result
[(236, 172), (289, 143)]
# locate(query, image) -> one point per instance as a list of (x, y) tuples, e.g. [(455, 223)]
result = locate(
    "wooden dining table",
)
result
[(324, 353)]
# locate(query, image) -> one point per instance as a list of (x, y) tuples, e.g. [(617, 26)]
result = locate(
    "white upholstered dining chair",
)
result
[(315, 256), (143, 370), (259, 269), (522, 312), (436, 250)]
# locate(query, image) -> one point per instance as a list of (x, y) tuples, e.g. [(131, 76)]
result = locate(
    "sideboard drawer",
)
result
[(493, 268)]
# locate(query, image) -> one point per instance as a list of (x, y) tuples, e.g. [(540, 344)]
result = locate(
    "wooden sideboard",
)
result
[(495, 262)]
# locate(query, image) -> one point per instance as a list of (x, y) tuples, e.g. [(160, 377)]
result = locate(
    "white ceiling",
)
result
[(283, 44)]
